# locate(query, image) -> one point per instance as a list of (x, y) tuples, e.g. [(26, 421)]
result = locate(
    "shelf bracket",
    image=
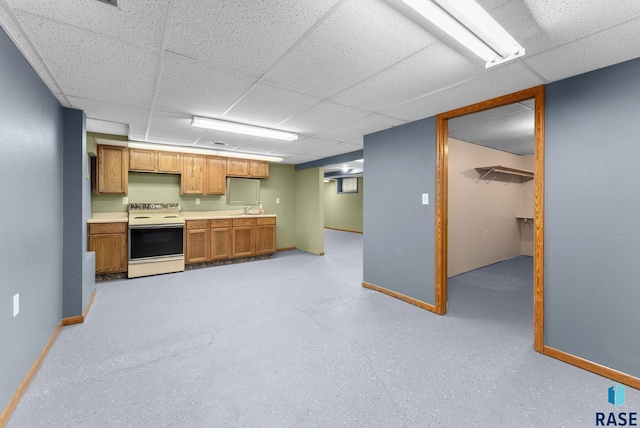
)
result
[(482, 178)]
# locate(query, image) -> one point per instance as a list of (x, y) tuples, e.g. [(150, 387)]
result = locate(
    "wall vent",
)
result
[(111, 2)]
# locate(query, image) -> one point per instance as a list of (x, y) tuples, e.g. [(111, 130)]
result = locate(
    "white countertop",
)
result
[(118, 217), (218, 215)]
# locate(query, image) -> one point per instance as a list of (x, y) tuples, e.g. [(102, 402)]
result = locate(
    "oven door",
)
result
[(153, 241)]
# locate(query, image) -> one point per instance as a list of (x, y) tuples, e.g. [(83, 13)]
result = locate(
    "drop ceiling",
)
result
[(329, 70)]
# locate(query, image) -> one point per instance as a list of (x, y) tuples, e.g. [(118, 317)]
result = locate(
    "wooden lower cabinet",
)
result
[(243, 241), (197, 241), (109, 242), (220, 240), (265, 235)]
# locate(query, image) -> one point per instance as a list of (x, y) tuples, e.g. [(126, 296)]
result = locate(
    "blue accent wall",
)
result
[(592, 214), (31, 240), (77, 264), (399, 232)]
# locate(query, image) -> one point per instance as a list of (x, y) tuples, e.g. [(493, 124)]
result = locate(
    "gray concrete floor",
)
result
[(296, 341)]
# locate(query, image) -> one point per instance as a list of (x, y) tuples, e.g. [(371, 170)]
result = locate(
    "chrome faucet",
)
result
[(247, 209)]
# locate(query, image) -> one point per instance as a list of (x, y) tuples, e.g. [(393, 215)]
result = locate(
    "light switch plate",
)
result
[(16, 304), (277, 200), (197, 201), (425, 199)]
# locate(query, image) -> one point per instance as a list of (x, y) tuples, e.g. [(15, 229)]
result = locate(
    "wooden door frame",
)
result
[(442, 197)]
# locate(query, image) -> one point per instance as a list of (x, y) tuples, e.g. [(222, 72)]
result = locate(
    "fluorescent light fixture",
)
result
[(472, 26), (241, 128)]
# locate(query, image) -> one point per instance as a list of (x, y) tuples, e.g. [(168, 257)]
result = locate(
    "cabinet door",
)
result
[(265, 239), (216, 181), (237, 167), (142, 160), (169, 162), (220, 247), (113, 169), (111, 252), (258, 169), (192, 180), (197, 245), (243, 241)]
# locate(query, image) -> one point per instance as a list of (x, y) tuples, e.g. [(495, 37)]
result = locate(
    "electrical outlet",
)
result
[(277, 200), (16, 304), (197, 201), (486, 233), (125, 200)]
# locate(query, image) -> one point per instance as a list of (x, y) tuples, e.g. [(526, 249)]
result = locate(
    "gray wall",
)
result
[(592, 212), (77, 266), (399, 253), (31, 233)]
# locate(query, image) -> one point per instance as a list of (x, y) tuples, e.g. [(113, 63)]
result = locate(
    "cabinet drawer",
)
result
[(220, 223), (265, 220), (107, 228), (243, 222), (197, 224)]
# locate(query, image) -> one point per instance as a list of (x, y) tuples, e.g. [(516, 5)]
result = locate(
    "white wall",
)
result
[(526, 209), (482, 217)]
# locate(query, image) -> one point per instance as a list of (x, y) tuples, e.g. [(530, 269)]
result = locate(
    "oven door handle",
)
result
[(156, 226)]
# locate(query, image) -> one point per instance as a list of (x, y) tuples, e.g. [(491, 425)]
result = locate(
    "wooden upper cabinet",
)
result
[(142, 160), (247, 168), (154, 161), (237, 167), (258, 169), (169, 162), (216, 178), (193, 168), (112, 175)]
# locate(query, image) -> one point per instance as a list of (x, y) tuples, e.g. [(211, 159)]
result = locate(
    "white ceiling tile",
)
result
[(322, 117), (360, 127), (132, 21), (212, 146), (264, 144), (358, 141), (360, 39), (589, 53), (174, 128), (244, 36), (283, 104), (136, 118), (92, 66), (193, 87), (337, 149), (226, 137), (496, 81), (558, 22), (431, 69), (30, 55), (300, 159), (308, 145)]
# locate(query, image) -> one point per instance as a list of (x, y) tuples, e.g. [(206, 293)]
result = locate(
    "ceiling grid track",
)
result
[(287, 53), (156, 86)]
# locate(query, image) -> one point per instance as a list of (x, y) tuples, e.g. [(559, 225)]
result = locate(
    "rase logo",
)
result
[(615, 396)]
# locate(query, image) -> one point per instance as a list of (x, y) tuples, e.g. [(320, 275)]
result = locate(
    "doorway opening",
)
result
[(533, 97)]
